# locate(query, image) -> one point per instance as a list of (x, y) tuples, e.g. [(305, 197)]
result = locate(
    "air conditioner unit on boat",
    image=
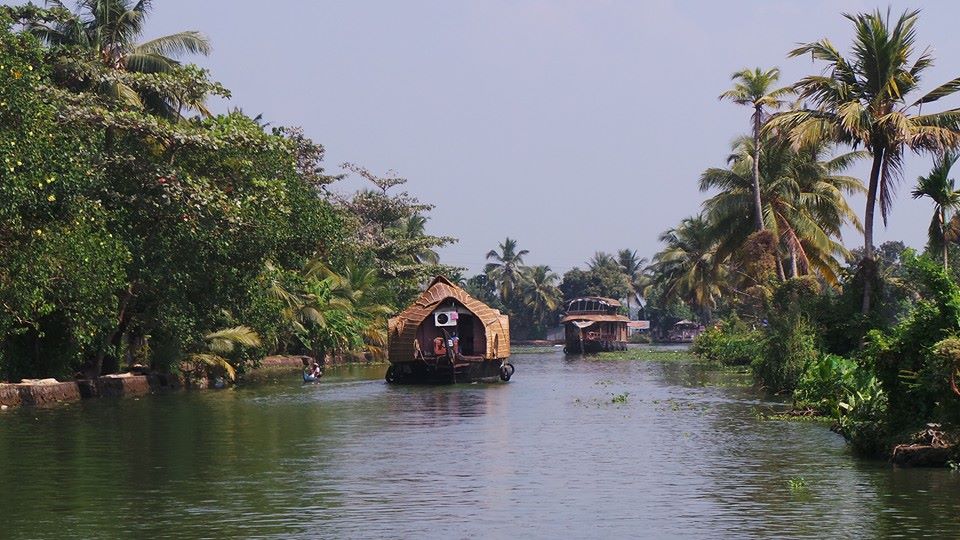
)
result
[(445, 318)]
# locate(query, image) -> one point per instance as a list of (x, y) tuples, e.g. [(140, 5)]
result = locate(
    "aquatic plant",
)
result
[(797, 484)]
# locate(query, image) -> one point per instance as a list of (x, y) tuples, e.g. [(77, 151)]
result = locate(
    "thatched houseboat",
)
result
[(447, 336), (594, 324)]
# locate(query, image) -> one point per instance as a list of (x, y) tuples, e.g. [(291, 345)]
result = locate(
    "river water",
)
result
[(570, 448)]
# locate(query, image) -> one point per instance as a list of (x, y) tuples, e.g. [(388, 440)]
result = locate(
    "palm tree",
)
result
[(688, 267), (220, 343), (940, 189), (804, 202), (413, 230), (111, 30), (602, 259), (539, 291), (632, 266), (506, 268), (363, 289), (862, 102), (319, 301), (753, 88)]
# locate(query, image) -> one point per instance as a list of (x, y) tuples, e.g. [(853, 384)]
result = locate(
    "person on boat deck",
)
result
[(439, 348), (455, 343)]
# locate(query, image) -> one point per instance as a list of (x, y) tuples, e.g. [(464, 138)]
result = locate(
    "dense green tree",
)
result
[(606, 280), (60, 261), (109, 31), (862, 101), (389, 226), (413, 229)]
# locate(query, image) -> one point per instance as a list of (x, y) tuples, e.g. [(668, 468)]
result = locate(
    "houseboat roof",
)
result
[(595, 317), (609, 301), (403, 327)]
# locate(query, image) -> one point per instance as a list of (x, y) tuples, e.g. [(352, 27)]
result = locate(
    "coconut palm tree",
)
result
[(539, 291), (804, 202), (941, 190), (111, 31), (329, 311), (602, 259), (688, 267), (362, 290), (220, 343), (754, 88), (506, 267), (862, 101), (413, 230), (632, 266)]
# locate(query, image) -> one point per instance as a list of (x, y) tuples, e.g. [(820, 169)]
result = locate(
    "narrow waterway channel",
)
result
[(571, 448)]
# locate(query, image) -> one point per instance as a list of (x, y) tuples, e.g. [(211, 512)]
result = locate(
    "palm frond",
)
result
[(214, 361), (225, 340), (188, 42)]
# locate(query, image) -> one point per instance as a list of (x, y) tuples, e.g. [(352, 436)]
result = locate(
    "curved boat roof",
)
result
[(609, 301), (403, 327), (595, 317)]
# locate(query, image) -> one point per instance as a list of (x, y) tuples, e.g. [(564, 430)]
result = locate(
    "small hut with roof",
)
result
[(594, 324), (448, 336)]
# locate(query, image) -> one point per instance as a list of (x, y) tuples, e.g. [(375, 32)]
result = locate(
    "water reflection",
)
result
[(572, 447)]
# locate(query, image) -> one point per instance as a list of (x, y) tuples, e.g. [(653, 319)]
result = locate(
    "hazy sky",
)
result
[(570, 126)]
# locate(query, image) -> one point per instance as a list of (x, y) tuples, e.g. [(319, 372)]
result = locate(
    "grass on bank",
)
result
[(650, 355)]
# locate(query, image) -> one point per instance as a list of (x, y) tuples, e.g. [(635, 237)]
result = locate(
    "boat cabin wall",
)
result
[(613, 331), (470, 330)]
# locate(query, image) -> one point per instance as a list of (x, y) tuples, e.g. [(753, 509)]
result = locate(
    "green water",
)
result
[(681, 454)]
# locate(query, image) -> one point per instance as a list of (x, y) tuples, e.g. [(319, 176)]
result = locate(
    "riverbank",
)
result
[(45, 392)]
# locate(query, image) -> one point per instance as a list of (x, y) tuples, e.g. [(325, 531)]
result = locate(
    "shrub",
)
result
[(791, 345), (829, 381), (731, 343)]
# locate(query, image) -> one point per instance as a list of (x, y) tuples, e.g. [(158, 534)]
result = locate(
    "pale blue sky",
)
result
[(570, 126)]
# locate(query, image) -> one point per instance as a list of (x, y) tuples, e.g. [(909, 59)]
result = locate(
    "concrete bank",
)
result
[(43, 392)]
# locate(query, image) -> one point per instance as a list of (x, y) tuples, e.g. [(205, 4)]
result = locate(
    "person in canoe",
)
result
[(312, 371)]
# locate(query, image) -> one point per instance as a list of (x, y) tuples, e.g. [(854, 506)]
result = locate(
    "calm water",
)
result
[(548, 455)]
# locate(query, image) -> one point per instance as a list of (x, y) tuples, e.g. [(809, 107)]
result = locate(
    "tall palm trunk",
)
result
[(943, 237), (793, 260), (758, 204), (868, 263)]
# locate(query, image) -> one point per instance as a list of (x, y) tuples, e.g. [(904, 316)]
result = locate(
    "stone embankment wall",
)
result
[(49, 391)]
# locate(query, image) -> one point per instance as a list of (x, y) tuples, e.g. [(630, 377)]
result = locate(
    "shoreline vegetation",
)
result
[(142, 233)]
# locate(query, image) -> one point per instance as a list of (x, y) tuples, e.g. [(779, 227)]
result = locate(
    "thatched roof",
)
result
[(403, 327)]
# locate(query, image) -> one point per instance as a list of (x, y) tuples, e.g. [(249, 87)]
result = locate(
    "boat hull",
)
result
[(419, 372), (593, 346)]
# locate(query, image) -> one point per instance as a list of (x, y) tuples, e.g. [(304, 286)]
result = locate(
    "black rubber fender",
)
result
[(506, 371), (391, 375)]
